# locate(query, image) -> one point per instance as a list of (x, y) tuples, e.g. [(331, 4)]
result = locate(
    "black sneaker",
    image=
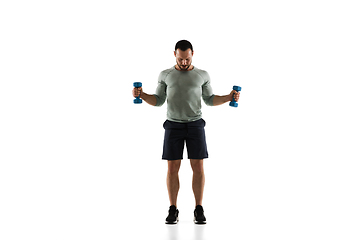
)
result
[(199, 217), (173, 216)]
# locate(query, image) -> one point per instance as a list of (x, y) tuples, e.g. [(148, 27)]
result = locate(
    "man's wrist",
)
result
[(229, 98)]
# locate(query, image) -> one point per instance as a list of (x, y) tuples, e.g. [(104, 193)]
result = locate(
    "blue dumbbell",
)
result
[(137, 100), (233, 103)]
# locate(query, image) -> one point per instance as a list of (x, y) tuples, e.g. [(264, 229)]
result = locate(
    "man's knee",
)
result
[(174, 166), (197, 165)]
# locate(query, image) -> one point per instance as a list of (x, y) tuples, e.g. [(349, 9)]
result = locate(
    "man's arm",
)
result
[(150, 99), (218, 100)]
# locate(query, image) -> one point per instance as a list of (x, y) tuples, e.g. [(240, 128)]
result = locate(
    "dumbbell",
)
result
[(233, 103), (137, 100)]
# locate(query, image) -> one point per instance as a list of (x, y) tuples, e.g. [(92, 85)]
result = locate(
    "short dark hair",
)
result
[(183, 45)]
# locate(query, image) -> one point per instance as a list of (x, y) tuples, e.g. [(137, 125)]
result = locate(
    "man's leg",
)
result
[(198, 180), (172, 180)]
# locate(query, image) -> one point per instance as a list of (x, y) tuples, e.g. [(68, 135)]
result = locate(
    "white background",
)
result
[(80, 161)]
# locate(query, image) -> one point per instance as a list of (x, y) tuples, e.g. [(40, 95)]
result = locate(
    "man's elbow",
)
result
[(209, 101), (159, 101)]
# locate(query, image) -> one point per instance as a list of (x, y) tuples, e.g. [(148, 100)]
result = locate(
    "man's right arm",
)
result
[(150, 99), (156, 99)]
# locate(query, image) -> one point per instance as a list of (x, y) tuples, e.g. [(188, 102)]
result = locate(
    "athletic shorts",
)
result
[(176, 134)]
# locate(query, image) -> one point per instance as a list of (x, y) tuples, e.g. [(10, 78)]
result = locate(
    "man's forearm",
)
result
[(150, 99), (218, 100)]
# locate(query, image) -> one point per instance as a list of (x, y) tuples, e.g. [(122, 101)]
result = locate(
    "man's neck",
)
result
[(189, 69)]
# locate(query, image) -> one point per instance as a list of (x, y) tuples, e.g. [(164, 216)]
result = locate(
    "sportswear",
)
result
[(183, 91), (176, 134)]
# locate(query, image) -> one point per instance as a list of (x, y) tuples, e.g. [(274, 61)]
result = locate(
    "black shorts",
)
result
[(176, 134)]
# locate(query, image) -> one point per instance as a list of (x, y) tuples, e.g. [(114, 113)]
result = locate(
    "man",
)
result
[(184, 85)]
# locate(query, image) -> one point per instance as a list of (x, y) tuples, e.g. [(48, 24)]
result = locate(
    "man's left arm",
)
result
[(215, 100), (218, 100)]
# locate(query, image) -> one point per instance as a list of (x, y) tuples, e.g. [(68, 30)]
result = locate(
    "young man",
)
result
[(184, 85)]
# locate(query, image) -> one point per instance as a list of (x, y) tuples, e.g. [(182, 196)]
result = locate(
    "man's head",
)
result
[(183, 53)]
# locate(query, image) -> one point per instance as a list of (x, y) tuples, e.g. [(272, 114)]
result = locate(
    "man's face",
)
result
[(183, 58)]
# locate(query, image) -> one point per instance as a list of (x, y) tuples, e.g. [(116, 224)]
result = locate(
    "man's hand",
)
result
[(236, 96), (136, 92)]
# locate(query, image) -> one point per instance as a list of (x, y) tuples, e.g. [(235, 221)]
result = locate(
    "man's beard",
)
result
[(183, 68)]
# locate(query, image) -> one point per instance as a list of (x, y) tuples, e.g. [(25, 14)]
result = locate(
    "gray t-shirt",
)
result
[(184, 90)]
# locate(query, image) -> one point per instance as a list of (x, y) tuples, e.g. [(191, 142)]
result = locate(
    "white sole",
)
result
[(198, 222), (175, 222)]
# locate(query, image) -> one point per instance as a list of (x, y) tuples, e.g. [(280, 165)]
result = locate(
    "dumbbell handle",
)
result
[(237, 89), (138, 97)]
